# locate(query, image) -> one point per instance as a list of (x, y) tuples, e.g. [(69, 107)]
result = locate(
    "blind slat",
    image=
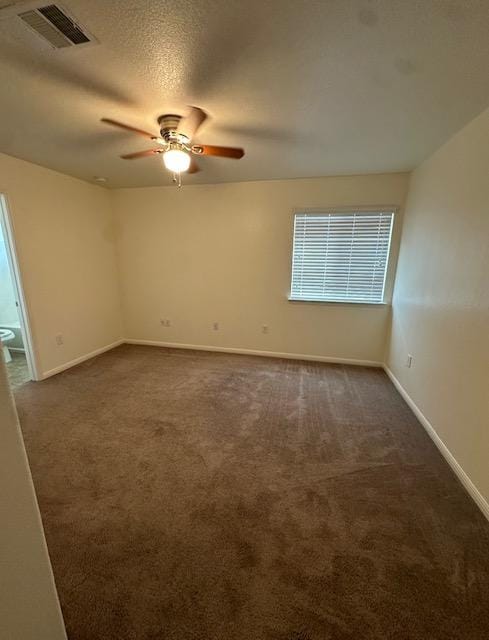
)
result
[(341, 257)]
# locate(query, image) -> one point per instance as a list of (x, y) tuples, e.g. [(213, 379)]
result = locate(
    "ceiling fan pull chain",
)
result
[(177, 179)]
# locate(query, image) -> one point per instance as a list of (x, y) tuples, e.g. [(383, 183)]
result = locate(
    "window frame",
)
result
[(389, 271)]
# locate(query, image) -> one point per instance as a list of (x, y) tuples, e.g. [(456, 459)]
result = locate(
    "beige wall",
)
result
[(65, 246), (29, 608), (222, 253), (441, 301)]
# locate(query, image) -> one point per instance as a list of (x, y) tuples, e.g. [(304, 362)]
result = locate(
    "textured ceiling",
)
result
[(307, 87)]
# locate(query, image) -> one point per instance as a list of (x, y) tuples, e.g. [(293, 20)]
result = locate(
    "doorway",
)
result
[(15, 336)]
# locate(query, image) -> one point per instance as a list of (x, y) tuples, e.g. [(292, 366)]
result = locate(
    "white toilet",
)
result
[(6, 336)]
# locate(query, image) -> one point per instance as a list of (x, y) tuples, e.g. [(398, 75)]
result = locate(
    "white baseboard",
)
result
[(470, 487), (87, 356), (253, 352)]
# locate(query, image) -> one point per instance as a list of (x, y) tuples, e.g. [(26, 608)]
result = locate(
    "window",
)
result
[(341, 256)]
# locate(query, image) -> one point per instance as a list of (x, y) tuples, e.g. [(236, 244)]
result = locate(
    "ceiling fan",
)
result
[(176, 134)]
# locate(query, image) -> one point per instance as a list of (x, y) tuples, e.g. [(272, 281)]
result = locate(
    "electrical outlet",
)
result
[(409, 361), (59, 339), (264, 328), (165, 322), (215, 326)]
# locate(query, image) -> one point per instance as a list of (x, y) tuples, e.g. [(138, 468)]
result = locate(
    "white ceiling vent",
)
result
[(54, 24)]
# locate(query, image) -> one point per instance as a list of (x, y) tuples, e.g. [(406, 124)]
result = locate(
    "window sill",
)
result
[(342, 302)]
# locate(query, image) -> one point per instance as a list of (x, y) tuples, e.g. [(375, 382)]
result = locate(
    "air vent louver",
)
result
[(67, 27), (54, 25)]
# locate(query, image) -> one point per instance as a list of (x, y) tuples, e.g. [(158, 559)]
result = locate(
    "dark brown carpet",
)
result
[(198, 496)]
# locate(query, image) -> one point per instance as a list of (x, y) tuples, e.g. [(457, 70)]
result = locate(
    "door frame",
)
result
[(7, 226)]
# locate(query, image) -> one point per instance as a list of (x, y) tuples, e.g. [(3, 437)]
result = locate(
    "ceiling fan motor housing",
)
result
[(168, 128)]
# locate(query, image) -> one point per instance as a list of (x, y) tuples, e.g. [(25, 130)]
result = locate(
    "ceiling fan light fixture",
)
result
[(176, 160)]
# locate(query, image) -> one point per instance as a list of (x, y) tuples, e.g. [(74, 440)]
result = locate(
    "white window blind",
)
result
[(341, 256)]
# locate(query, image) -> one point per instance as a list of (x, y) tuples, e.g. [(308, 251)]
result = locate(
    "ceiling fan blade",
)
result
[(189, 125), (223, 152), (127, 127), (194, 167), (140, 154)]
